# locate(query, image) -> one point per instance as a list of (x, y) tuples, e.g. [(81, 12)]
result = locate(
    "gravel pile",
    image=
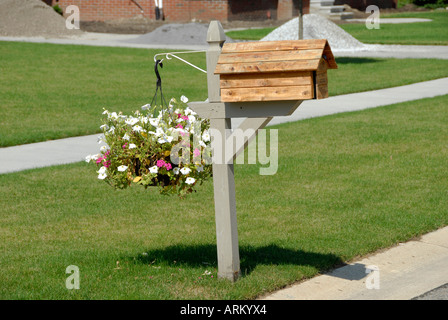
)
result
[(317, 27), (32, 18), (180, 34)]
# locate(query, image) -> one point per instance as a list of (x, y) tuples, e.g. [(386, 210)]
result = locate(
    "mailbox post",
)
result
[(223, 174), (255, 81)]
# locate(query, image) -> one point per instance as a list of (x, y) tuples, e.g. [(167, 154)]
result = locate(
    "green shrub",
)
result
[(58, 9), (402, 3), (431, 3)]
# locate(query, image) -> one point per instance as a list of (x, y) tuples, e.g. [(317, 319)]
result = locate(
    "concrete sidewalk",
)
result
[(407, 271), (75, 149), (126, 41)]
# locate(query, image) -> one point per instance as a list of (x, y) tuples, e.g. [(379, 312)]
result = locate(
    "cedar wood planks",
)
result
[(274, 70)]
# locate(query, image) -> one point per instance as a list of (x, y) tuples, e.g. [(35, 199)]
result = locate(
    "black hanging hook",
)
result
[(159, 84), (156, 70)]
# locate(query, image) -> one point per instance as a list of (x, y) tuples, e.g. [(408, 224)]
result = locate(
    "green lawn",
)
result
[(56, 91), (250, 34), (421, 33), (347, 185)]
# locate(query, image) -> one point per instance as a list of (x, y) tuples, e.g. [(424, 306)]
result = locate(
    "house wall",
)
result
[(186, 10)]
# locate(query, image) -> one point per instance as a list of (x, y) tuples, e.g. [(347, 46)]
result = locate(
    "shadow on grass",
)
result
[(250, 257), (354, 60)]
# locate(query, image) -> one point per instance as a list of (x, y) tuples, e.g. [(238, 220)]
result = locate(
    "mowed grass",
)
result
[(250, 34), (346, 186), (55, 91), (420, 33)]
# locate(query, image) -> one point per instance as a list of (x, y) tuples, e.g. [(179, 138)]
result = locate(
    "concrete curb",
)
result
[(400, 273)]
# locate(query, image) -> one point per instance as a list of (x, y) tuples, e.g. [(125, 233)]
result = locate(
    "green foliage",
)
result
[(431, 3), (58, 9)]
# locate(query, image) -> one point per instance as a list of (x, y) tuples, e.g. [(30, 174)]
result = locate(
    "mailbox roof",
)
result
[(274, 56)]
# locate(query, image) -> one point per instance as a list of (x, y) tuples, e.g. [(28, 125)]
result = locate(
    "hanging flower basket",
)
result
[(169, 148)]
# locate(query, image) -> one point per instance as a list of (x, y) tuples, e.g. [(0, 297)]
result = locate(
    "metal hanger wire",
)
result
[(169, 55)]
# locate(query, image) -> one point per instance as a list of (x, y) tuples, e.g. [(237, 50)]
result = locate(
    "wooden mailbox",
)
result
[(255, 81), (274, 70)]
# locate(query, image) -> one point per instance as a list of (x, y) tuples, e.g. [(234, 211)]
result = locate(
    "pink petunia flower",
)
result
[(160, 163), (196, 152)]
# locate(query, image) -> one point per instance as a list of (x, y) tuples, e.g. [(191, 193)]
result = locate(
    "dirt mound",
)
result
[(175, 33), (316, 27), (32, 18)]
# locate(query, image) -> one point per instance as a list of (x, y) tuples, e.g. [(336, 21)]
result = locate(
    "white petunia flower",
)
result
[(104, 127), (165, 139), (122, 168), (100, 139), (176, 171), (138, 128), (126, 137), (184, 99), (102, 170), (105, 112), (131, 121), (103, 148), (91, 157), (206, 136), (154, 169), (185, 170), (143, 120), (200, 168), (191, 118), (159, 132), (188, 111), (113, 115), (190, 180), (102, 176), (132, 146), (146, 107)]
